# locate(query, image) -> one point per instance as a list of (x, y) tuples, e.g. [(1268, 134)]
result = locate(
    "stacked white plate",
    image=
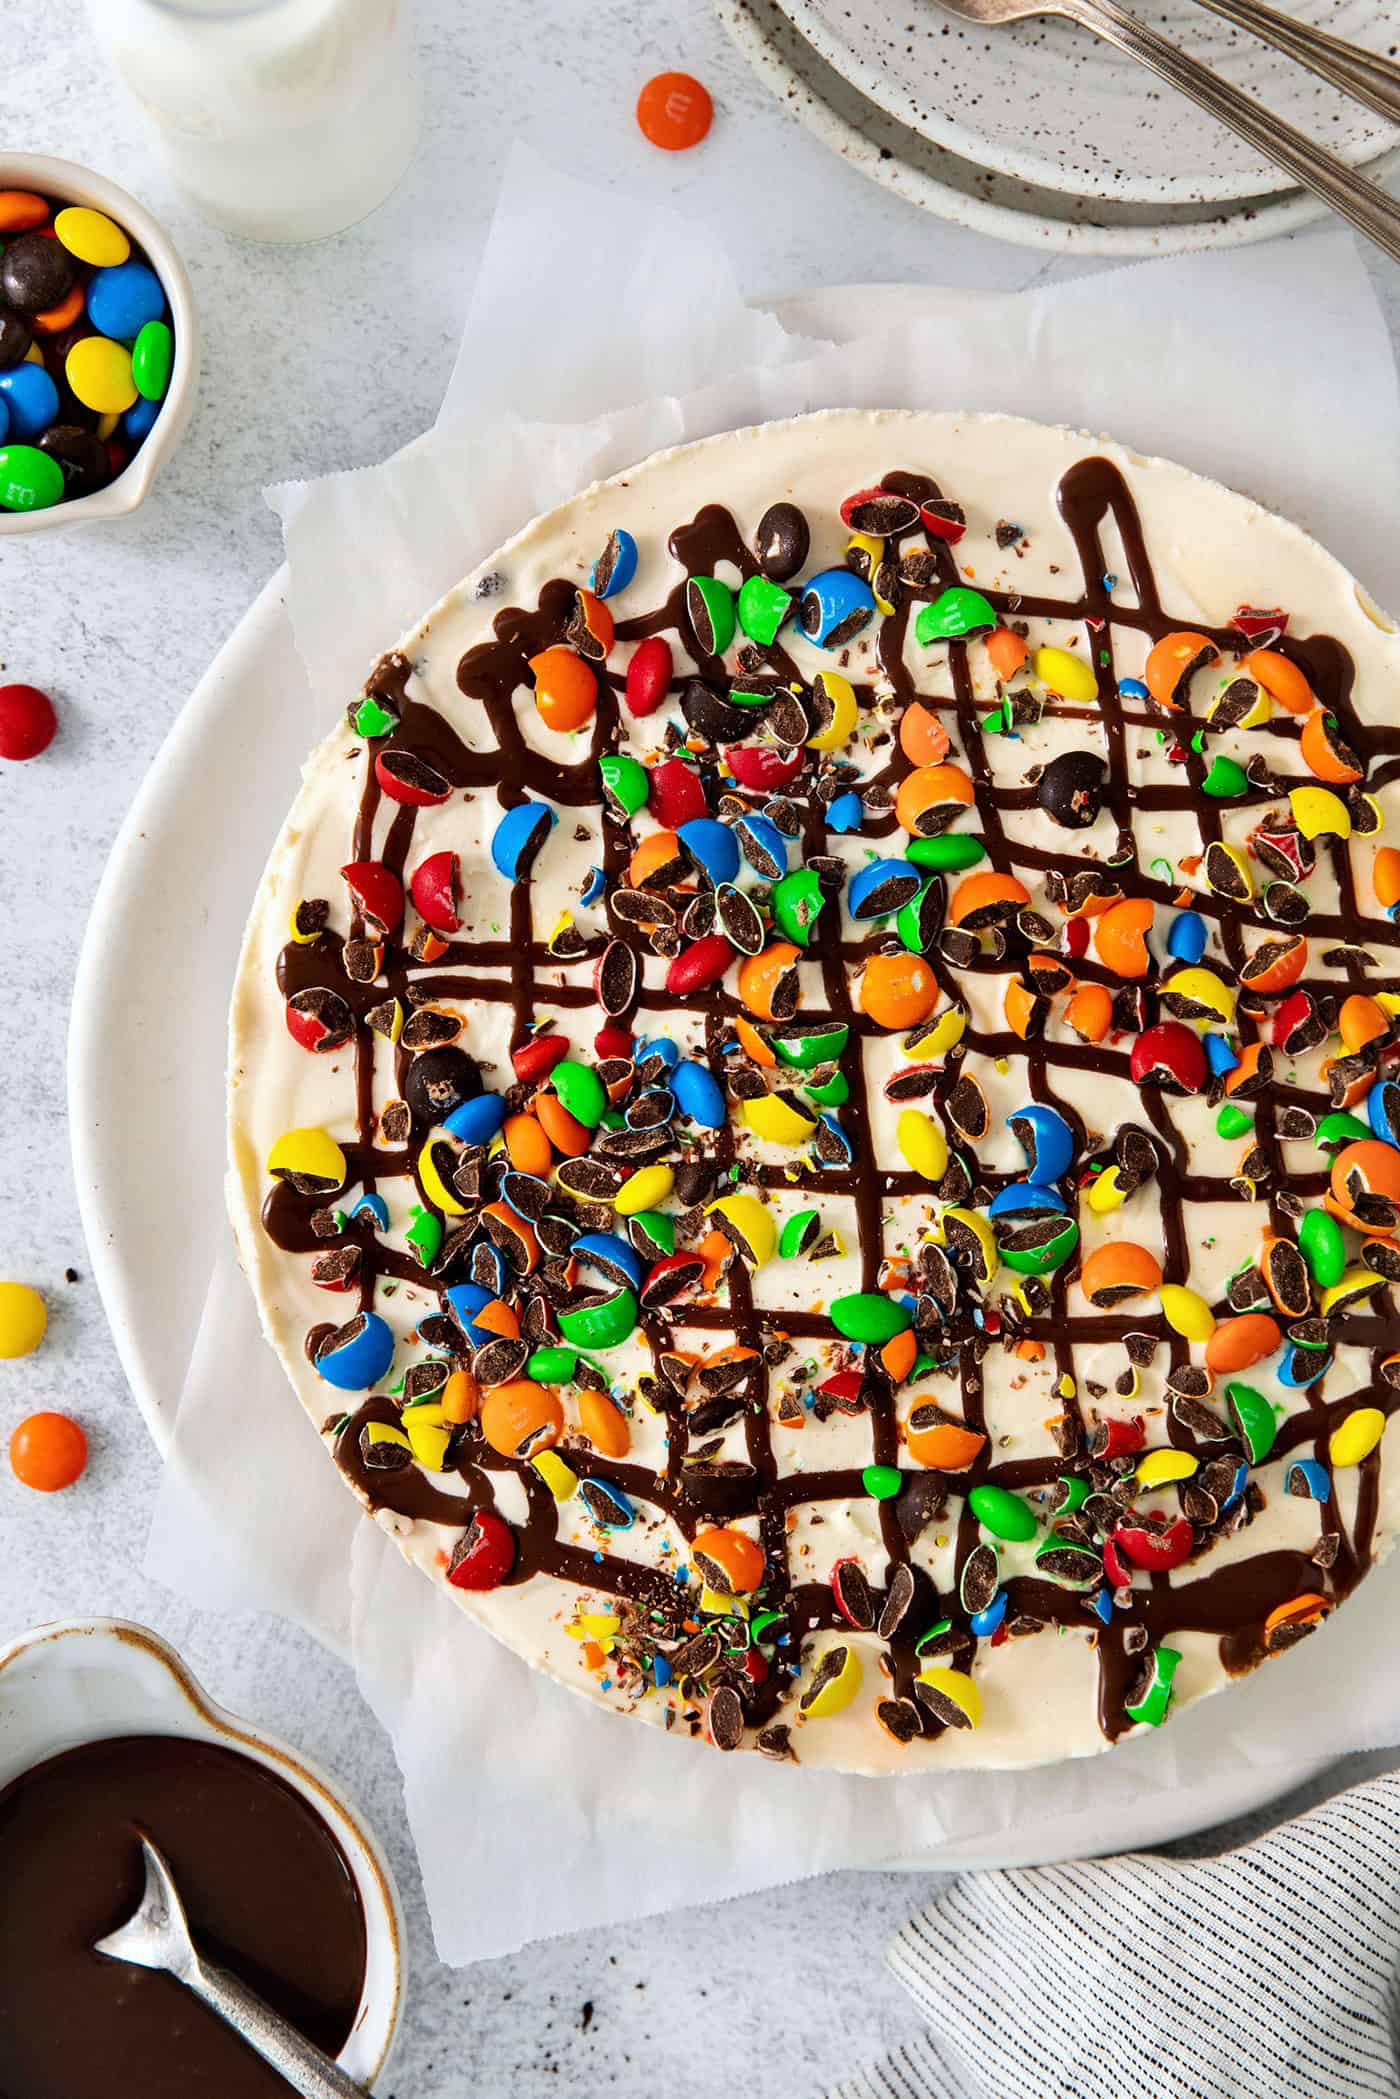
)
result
[(1042, 134)]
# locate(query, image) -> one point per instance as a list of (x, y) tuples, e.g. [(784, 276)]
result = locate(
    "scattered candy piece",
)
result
[(47, 1451), (674, 111), (23, 1318), (27, 721)]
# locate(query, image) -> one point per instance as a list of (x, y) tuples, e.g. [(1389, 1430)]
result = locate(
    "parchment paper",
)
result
[(1268, 367)]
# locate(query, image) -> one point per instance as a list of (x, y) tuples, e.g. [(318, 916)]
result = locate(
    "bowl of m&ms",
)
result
[(99, 346)]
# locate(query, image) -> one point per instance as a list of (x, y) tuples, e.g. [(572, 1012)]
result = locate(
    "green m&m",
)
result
[(624, 782), (29, 479), (1253, 1417), (581, 1091), (373, 720), (1005, 1515), (763, 606), (870, 1316), (1226, 780), (949, 854), (552, 1366), (1153, 1693), (832, 1092), (1322, 1246), (956, 613), (801, 1230), (601, 1325), (797, 901), (812, 1046), (152, 355)]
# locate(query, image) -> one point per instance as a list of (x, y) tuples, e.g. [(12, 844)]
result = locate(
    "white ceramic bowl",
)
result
[(52, 177), (85, 1679)]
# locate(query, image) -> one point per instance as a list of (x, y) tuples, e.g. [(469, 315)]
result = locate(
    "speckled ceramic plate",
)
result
[(1054, 105), (951, 187)]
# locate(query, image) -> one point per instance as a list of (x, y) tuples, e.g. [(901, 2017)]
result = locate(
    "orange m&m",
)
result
[(1170, 663), (21, 211), (1323, 752), (1281, 679), (47, 1452), (1236, 1344), (985, 899), (527, 1146), (1385, 877), (1006, 652), (922, 736), (566, 690), (898, 991), (1089, 1011), (1118, 1270), (604, 1423), (767, 981), (943, 1445), (1120, 936), (674, 111), (520, 1418), (929, 798), (729, 1560)]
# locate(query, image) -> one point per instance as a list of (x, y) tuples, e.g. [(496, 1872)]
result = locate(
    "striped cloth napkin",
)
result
[(1272, 1972)]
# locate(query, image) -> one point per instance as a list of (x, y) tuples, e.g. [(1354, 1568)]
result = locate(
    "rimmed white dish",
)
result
[(52, 177), (944, 183), (87, 1679), (1046, 102)]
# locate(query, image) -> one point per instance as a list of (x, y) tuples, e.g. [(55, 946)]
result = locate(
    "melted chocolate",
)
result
[(266, 1888)]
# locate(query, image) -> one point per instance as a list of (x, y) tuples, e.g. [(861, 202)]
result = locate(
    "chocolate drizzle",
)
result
[(1231, 1604)]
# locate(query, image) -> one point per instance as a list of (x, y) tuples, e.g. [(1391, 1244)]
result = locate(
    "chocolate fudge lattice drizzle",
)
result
[(1231, 1603)]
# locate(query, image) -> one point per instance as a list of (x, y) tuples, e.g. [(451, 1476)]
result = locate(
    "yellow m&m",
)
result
[(92, 236), (648, 1186), (1357, 1436), (22, 1319), (1069, 676), (99, 372)]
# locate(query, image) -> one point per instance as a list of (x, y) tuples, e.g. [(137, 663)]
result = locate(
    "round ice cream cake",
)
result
[(814, 1097)]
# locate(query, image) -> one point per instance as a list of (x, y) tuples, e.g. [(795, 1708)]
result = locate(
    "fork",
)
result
[(1361, 203), (1364, 75)]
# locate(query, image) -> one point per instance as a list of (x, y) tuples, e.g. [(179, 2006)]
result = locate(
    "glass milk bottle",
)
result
[(283, 120)]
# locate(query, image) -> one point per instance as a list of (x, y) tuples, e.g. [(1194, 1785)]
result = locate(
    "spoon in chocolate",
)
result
[(157, 1935)]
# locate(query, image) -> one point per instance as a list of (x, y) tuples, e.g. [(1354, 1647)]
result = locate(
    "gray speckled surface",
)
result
[(318, 358)]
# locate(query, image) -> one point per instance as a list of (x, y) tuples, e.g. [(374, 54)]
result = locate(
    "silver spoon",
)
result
[(158, 1936), (1361, 203)]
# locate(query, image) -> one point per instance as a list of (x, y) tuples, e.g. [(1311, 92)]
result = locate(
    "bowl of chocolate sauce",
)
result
[(104, 1733)]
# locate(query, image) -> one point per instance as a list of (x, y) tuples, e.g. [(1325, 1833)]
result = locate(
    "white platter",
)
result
[(1055, 105), (146, 1079), (944, 183)]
